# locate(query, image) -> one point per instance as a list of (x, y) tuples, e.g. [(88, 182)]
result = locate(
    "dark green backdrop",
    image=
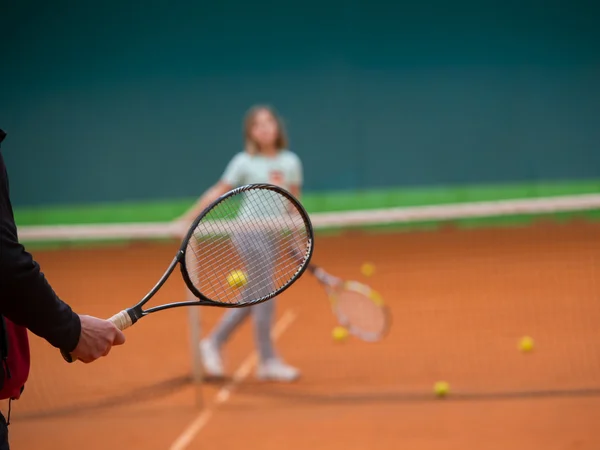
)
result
[(120, 100)]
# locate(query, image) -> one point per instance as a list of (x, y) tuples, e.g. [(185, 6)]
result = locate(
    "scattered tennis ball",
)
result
[(526, 344), (339, 334), (367, 269), (236, 279), (441, 388)]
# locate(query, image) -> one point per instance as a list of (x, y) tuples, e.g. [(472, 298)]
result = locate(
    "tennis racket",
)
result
[(357, 307), (211, 253)]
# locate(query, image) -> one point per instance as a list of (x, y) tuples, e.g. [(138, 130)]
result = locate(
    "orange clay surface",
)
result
[(461, 300)]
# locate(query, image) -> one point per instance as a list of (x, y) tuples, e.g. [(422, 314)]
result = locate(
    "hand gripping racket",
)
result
[(237, 252), (357, 307)]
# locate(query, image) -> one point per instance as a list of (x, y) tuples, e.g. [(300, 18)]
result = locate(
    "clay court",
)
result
[(461, 300)]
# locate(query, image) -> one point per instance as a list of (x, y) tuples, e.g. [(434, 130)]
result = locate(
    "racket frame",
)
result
[(334, 286), (136, 312), (306, 257)]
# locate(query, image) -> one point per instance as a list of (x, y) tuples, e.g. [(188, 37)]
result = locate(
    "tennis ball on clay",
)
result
[(367, 269), (441, 388), (339, 334), (526, 344), (236, 279)]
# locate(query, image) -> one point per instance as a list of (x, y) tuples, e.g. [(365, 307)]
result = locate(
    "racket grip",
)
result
[(120, 320)]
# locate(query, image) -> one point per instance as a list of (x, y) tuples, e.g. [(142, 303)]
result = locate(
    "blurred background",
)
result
[(125, 112)]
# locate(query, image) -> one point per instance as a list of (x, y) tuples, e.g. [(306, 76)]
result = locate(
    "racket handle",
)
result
[(68, 357), (325, 278), (120, 320)]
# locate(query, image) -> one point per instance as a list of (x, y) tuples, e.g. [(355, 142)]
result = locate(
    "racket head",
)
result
[(246, 236), (361, 310)]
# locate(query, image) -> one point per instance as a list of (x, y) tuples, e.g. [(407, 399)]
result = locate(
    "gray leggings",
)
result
[(253, 248)]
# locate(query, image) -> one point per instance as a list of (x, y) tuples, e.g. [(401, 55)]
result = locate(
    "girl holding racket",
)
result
[(265, 159)]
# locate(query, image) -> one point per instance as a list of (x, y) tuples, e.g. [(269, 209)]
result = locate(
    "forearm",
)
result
[(296, 191), (204, 201), (28, 300), (198, 207)]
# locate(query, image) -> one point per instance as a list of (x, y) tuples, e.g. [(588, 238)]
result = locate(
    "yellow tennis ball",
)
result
[(339, 334), (441, 388), (367, 269), (236, 279), (526, 344)]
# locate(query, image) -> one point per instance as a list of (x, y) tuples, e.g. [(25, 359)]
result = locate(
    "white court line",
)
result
[(194, 428)]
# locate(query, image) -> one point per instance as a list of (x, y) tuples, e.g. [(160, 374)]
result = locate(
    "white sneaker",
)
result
[(211, 359), (277, 370)]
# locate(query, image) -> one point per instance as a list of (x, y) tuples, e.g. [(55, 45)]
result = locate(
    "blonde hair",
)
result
[(250, 145)]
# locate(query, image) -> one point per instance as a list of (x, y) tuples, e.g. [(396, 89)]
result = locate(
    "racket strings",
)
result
[(362, 312), (251, 233), (282, 205), (224, 250), (217, 247), (286, 264), (261, 243), (288, 220)]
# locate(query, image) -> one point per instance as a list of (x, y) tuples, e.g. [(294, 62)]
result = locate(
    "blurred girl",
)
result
[(265, 159)]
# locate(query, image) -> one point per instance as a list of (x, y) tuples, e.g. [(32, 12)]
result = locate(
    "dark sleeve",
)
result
[(26, 298)]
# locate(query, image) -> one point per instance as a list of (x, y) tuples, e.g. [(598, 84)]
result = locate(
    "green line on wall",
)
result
[(161, 211)]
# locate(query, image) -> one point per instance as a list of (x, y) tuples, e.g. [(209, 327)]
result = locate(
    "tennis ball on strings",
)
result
[(236, 279), (441, 388), (367, 269), (526, 344), (339, 334)]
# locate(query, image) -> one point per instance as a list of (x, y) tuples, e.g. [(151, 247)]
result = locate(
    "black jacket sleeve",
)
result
[(26, 298)]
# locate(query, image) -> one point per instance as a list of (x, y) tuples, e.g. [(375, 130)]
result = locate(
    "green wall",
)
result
[(125, 101)]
